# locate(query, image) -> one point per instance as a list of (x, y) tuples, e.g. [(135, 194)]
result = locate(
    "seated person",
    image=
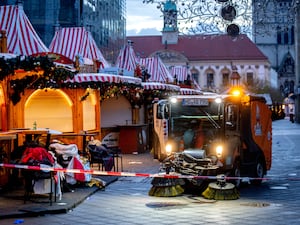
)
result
[(188, 138), (199, 137), (194, 137)]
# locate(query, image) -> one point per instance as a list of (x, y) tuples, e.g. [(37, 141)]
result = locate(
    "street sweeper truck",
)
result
[(213, 134)]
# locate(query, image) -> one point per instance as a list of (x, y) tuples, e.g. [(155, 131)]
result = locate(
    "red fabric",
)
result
[(138, 71), (78, 165), (37, 154), (199, 139)]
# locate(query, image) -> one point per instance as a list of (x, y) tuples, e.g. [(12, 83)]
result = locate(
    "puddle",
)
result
[(256, 204), (130, 163), (278, 188), (165, 205)]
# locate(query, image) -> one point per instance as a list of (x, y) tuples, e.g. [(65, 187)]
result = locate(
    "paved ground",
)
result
[(126, 201)]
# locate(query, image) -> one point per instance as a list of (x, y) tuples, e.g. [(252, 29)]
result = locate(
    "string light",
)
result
[(231, 16)]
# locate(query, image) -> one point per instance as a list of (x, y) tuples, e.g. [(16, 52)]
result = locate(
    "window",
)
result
[(195, 75), (225, 79), (250, 79), (285, 35), (210, 80)]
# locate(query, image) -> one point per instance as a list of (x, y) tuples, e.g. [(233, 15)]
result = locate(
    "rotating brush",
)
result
[(221, 190)]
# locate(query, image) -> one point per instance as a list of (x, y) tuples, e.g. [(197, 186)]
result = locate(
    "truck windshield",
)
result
[(189, 121)]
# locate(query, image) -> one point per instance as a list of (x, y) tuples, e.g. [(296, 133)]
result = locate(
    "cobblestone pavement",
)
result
[(126, 201)]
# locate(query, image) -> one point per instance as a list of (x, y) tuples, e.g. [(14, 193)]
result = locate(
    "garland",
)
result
[(56, 77), (51, 76)]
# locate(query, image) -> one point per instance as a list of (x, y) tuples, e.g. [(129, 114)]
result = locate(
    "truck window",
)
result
[(162, 111)]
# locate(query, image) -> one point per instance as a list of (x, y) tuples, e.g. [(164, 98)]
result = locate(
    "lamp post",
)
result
[(235, 77), (297, 65)]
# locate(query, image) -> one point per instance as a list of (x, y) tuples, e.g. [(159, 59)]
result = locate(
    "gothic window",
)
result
[(287, 67), (285, 35)]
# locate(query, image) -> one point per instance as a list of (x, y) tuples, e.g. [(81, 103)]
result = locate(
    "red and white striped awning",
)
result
[(102, 77), (181, 72), (127, 58), (22, 39), (160, 86), (157, 69), (76, 41), (190, 91)]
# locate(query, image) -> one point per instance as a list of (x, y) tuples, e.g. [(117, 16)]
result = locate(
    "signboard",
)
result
[(111, 139), (117, 71)]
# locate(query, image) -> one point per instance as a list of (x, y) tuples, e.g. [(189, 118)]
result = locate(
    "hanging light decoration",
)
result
[(230, 16)]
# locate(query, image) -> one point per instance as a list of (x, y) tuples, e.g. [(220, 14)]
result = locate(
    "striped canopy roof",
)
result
[(157, 69), (160, 86), (127, 58), (22, 39), (190, 91), (73, 41), (103, 77)]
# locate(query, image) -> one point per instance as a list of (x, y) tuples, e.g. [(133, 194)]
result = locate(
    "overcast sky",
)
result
[(143, 19)]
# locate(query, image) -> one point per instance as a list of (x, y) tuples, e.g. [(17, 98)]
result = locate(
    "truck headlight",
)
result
[(219, 151), (168, 149)]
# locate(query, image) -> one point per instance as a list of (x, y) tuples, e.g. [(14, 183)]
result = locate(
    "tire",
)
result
[(259, 172)]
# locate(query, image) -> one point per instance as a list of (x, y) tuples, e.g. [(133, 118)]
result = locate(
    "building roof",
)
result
[(22, 39), (201, 47)]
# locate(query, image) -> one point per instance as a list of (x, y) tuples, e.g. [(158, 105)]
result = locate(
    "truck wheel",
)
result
[(258, 172)]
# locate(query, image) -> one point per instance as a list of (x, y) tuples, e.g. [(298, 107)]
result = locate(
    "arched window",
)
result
[(89, 112), (210, 81), (195, 74), (250, 78), (225, 77)]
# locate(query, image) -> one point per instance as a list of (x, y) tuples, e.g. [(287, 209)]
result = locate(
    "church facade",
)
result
[(274, 35)]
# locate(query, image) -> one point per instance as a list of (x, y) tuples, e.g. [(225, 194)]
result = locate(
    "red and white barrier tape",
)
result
[(127, 174)]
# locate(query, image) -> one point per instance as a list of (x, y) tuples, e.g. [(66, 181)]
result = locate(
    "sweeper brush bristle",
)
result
[(168, 191), (165, 187), (226, 191)]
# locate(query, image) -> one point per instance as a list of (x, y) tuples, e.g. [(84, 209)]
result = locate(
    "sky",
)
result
[(143, 19)]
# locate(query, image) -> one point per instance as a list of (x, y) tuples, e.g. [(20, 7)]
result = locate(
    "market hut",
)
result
[(127, 61), (22, 39), (32, 83), (156, 69), (77, 42), (18, 38)]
